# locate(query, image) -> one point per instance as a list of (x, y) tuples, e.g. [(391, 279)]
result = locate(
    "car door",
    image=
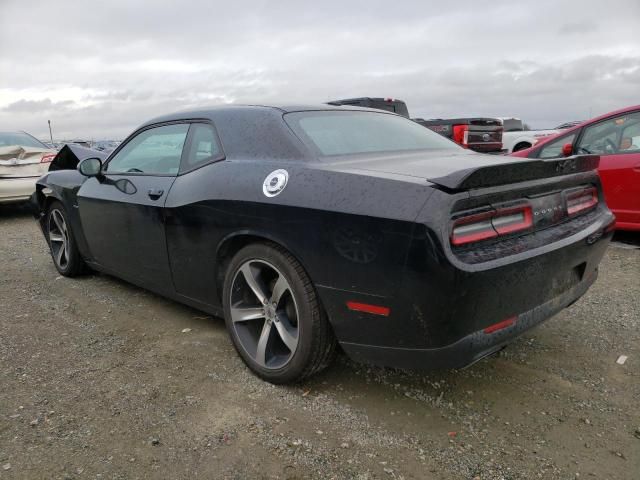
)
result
[(122, 212), (193, 228), (617, 141)]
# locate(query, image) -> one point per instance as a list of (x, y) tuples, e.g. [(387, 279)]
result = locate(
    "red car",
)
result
[(616, 138)]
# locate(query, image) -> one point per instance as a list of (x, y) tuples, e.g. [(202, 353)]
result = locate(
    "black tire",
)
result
[(68, 263), (316, 344)]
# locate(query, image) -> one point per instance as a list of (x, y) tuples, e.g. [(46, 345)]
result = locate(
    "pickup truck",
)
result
[(479, 134), (388, 104), (516, 137)]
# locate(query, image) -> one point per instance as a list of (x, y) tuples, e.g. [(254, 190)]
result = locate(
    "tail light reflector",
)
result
[(485, 225), (461, 135), (500, 325), (367, 308), (48, 158), (582, 200)]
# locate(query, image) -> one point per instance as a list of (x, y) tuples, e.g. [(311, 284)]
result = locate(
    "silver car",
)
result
[(23, 159)]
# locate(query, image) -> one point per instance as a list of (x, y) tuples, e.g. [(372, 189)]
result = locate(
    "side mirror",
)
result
[(90, 167), (567, 149)]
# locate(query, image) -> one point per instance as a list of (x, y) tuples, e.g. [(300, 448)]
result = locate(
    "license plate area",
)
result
[(567, 280)]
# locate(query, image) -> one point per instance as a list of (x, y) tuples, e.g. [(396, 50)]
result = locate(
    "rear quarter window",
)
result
[(348, 133), (203, 146)]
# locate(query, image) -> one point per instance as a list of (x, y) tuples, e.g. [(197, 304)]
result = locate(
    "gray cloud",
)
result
[(99, 72), (37, 106), (578, 28)]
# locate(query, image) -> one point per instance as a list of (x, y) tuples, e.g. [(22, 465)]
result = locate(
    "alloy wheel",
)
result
[(59, 238), (264, 314)]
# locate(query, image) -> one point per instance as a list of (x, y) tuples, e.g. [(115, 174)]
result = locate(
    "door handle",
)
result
[(155, 193)]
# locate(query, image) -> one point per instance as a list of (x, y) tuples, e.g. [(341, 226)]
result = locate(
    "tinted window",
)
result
[(22, 139), (345, 133), (554, 149), (617, 135), (203, 147), (512, 125), (153, 151)]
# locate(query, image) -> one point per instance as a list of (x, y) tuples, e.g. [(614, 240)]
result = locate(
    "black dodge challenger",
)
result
[(309, 227)]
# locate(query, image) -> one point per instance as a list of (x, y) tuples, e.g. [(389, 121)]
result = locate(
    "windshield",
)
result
[(18, 138), (348, 133)]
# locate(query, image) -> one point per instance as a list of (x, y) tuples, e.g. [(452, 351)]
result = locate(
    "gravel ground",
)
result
[(100, 379)]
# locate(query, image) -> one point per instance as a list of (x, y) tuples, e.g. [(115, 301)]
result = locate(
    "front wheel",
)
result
[(274, 317), (64, 251)]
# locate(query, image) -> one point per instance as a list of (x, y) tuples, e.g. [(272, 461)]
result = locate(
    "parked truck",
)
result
[(517, 136), (479, 134)]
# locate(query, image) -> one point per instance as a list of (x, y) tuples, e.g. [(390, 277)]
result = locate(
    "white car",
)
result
[(515, 137), (23, 159)]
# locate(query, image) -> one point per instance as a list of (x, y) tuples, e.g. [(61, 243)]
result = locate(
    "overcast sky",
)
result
[(97, 69)]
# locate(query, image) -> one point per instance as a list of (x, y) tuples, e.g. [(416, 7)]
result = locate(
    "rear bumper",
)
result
[(486, 147), (437, 312), (627, 219), (17, 189), (628, 226), (470, 348)]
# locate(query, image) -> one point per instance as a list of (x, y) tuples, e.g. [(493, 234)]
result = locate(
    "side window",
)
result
[(554, 149), (616, 135), (630, 138), (203, 147), (155, 151)]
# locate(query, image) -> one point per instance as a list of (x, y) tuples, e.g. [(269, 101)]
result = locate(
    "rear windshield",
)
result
[(17, 138), (348, 133)]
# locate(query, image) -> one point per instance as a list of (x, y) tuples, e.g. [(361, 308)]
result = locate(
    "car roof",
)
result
[(217, 112)]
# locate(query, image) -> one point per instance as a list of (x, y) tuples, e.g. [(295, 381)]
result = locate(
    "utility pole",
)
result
[(50, 134)]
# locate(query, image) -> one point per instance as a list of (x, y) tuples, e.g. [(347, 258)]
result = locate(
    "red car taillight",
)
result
[(485, 225), (582, 200), (48, 158), (461, 135)]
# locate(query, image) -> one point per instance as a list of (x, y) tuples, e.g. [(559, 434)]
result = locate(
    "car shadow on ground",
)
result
[(15, 210), (626, 239)]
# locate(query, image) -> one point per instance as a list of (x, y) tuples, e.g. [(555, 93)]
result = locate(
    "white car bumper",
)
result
[(16, 189)]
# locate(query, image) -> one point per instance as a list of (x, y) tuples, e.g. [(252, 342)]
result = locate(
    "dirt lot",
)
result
[(100, 379)]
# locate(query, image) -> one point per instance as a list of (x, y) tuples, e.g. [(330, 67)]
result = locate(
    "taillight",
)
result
[(473, 228), (461, 135), (582, 200), (491, 224), (48, 158), (509, 220)]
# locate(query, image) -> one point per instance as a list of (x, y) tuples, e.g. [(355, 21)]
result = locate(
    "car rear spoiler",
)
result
[(514, 172)]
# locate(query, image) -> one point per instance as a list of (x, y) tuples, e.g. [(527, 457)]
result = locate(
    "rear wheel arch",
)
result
[(315, 341), (233, 243)]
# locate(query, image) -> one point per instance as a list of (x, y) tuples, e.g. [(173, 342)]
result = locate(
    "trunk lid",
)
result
[(459, 170), (20, 161)]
